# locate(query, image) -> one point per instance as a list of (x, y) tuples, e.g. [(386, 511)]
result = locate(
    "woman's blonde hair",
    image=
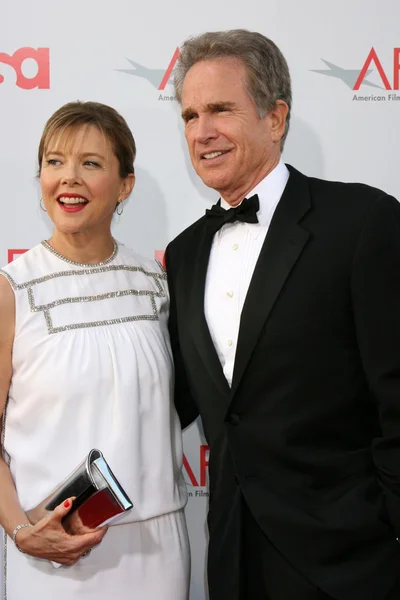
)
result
[(74, 115)]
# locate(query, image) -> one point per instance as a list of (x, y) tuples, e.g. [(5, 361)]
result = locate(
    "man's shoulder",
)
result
[(354, 192), (350, 189), (340, 201), (188, 236)]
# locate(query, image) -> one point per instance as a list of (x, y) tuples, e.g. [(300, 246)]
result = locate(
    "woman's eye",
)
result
[(92, 163), (53, 161)]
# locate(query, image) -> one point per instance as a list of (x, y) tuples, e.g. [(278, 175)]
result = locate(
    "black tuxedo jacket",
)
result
[(309, 432)]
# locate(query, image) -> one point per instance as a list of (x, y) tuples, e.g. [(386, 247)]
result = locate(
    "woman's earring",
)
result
[(41, 206), (120, 208)]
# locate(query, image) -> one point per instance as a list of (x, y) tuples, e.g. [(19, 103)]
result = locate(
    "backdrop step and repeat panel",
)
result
[(344, 59)]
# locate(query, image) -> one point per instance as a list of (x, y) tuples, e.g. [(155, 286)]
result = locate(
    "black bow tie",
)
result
[(246, 212)]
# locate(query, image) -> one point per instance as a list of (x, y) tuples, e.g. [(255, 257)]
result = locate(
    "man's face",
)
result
[(231, 148)]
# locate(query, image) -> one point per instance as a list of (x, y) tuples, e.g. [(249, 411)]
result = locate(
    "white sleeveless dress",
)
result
[(92, 368)]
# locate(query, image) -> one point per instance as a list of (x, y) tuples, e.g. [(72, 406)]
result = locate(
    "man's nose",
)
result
[(205, 129)]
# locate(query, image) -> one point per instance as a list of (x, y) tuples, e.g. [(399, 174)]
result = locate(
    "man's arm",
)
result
[(376, 302), (184, 403)]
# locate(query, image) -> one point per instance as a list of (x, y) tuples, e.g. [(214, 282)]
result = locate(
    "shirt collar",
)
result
[(269, 191)]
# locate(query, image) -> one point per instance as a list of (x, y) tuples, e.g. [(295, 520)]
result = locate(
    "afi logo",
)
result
[(354, 78), (168, 72), (203, 468), (157, 77), (42, 58), (14, 253), (373, 58)]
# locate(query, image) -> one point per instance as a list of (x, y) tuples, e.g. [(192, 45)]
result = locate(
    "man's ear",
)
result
[(277, 118)]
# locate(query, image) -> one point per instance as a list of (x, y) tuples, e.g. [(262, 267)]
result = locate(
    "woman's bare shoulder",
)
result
[(7, 309)]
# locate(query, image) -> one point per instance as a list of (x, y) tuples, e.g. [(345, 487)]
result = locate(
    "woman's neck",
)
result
[(83, 248)]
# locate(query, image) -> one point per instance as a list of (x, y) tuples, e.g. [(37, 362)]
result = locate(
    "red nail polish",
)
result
[(66, 503)]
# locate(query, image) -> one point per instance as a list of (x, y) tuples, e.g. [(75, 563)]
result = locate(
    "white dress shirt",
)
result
[(234, 253)]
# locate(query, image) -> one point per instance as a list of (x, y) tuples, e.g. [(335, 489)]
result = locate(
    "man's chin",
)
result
[(214, 182)]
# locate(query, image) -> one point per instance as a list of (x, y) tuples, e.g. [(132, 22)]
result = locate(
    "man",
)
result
[(285, 328)]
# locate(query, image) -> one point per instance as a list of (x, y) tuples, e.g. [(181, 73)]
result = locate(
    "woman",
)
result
[(85, 363)]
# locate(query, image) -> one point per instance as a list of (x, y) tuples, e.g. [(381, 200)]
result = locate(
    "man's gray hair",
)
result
[(268, 78)]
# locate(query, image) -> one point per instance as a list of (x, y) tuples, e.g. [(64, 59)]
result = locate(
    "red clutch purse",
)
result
[(99, 497)]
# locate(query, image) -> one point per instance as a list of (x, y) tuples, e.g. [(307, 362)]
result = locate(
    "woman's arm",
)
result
[(47, 538), (11, 513)]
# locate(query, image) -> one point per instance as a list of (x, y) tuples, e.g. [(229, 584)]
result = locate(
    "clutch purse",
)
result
[(99, 497)]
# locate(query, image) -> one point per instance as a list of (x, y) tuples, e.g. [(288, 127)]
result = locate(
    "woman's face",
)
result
[(80, 181)]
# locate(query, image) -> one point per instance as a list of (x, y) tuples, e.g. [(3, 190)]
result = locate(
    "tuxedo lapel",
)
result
[(283, 245), (201, 333)]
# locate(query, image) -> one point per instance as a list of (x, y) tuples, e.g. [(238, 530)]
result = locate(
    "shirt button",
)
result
[(229, 294), (230, 342), (235, 246)]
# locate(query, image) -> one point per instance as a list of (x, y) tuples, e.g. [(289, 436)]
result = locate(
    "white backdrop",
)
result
[(120, 53)]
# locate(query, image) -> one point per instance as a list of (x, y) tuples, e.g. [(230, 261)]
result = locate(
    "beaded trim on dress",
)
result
[(46, 245), (45, 308)]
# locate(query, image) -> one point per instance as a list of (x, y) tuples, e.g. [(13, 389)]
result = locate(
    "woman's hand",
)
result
[(48, 539)]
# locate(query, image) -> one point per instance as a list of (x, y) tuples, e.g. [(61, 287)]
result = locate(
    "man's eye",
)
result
[(92, 163)]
